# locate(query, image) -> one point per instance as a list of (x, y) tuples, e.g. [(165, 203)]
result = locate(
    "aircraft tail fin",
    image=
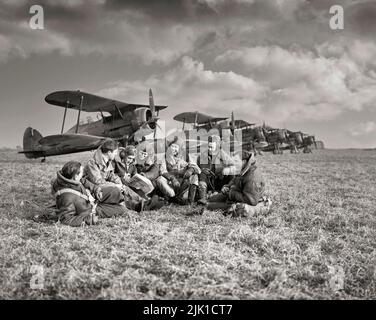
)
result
[(31, 140)]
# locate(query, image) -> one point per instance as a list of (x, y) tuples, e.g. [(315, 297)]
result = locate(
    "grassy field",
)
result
[(318, 242)]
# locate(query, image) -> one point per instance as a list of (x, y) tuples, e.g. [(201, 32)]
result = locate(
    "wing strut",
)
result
[(79, 112), (65, 114), (117, 108)]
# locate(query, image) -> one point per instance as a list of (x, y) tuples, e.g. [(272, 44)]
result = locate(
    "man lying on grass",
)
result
[(80, 202)]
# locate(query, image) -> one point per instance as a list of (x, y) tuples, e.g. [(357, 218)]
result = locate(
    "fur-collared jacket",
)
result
[(72, 208)]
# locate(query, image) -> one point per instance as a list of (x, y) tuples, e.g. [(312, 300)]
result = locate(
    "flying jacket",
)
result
[(248, 187), (121, 169), (150, 167), (100, 173), (73, 209)]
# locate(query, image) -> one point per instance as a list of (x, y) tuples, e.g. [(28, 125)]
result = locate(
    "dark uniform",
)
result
[(247, 188), (73, 203), (211, 176), (181, 175)]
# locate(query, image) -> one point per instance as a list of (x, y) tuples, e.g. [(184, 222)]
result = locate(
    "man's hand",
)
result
[(207, 171), (175, 183), (99, 193), (225, 189), (127, 177), (188, 173), (226, 171)]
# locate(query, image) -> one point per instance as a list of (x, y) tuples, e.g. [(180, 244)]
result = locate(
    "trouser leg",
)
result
[(130, 195), (218, 206), (218, 202), (164, 187), (192, 193), (184, 187), (219, 197), (76, 220), (202, 192), (105, 210), (111, 195)]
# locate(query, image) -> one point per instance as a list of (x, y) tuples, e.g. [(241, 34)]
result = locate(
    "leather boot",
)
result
[(154, 203), (135, 205), (202, 193), (192, 194), (183, 188)]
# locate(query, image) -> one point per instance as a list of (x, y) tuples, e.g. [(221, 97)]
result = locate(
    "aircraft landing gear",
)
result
[(307, 150), (277, 150), (294, 150)]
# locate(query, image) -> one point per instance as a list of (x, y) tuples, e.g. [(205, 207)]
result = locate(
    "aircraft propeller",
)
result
[(152, 123), (232, 124)]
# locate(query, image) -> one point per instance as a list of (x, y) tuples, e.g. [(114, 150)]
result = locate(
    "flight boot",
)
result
[(192, 194), (202, 193), (154, 203), (182, 190)]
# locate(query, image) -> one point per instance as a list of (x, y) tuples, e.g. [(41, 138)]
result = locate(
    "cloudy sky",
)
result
[(276, 61)]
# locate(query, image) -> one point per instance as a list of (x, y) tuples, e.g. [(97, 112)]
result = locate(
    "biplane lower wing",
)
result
[(36, 146)]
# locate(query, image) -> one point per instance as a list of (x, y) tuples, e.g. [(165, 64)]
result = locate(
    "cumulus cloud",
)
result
[(84, 27), (264, 59), (363, 129), (163, 31), (189, 86), (306, 84)]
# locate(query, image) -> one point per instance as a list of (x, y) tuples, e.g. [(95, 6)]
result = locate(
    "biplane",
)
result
[(260, 138), (284, 139), (251, 137), (124, 122)]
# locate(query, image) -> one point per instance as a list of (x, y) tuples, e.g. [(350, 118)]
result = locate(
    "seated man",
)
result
[(179, 176), (126, 167), (247, 190), (146, 162), (148, 167), (74, 198), (100, 171), (216, 170)]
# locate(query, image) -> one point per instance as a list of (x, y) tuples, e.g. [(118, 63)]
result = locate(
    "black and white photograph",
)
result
[(188, 150)]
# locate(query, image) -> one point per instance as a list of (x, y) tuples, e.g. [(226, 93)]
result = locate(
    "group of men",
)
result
[(104, 187)]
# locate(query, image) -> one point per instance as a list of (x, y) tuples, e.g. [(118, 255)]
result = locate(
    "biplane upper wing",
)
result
[(197, 117), (91, 102)]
